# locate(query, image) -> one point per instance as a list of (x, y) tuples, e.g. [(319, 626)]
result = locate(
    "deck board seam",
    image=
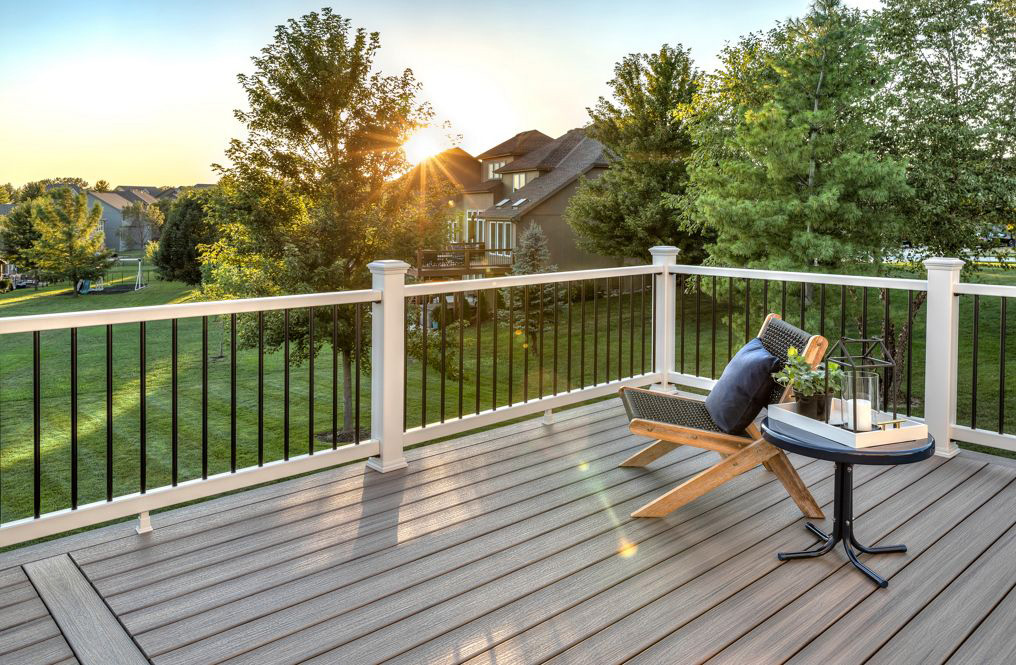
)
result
[(974, 627)]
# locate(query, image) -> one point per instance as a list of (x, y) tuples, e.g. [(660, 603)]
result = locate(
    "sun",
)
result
[(426, 142)]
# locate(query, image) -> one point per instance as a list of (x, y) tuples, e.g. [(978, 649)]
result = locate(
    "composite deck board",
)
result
[(365, 580), (89, 627), (515, 545), (658, 601), (788, 630), (992, 638)]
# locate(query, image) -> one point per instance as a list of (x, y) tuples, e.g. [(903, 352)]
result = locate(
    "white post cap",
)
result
[(664, 250), (943, 263), (387, 267)]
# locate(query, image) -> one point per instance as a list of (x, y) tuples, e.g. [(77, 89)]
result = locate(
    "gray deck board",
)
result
[(85, 621), (515, 545)]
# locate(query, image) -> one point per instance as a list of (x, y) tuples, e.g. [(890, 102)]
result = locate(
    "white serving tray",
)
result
[(909, 430)]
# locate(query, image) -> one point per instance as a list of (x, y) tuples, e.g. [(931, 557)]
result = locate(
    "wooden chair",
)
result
[(675, 421)]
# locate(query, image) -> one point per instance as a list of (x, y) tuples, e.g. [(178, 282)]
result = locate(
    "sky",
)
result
[(143, 92)]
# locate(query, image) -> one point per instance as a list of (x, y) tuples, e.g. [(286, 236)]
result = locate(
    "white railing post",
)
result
[(387, 352), (941, 352), (666, 302)]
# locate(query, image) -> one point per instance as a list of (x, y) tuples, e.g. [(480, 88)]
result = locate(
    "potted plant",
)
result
[(809, 385)]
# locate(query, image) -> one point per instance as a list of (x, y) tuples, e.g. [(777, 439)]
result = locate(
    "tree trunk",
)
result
[(347, 392)]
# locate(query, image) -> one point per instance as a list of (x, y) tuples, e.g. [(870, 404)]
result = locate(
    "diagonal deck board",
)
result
[(515, 545)]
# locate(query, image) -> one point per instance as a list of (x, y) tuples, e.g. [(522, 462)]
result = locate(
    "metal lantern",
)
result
[(863, 387)]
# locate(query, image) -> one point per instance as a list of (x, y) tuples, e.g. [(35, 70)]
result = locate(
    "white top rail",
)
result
[(986, 290), (102, 317), (436, 288), (812, 277)]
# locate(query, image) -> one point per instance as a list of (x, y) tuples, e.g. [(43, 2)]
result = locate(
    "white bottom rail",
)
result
[(135, 504)]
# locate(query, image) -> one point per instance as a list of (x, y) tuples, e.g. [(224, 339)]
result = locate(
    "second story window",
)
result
[(494, 166), (518, 181)]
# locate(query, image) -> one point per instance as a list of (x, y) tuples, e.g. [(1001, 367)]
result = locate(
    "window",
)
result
[(501, 203), (519, 202), (502, 237), (494, 166), (518, 181)]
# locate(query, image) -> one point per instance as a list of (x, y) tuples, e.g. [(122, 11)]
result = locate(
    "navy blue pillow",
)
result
[(744, 388)]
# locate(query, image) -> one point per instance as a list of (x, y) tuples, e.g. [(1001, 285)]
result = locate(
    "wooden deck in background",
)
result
[(515, 545)]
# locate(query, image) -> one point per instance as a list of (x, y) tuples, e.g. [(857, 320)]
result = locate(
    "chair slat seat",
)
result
[(670, 409)]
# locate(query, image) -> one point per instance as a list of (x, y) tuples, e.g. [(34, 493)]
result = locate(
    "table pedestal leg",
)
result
[(843, 528)]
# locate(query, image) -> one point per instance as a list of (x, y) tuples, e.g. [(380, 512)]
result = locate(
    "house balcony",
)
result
[(461, 260), (509, 537)]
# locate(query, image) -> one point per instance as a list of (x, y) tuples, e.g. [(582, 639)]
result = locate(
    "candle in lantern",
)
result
[(863, 411)]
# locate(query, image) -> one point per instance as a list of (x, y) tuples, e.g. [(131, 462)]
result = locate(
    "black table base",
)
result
[(843, 528)]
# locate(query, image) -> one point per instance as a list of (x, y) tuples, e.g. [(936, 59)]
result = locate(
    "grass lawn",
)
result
[(715, 326)]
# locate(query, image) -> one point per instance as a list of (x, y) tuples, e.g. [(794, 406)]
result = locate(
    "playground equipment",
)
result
[(85, 286)]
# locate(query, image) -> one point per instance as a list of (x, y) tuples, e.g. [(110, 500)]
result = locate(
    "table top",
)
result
[(798, 441)]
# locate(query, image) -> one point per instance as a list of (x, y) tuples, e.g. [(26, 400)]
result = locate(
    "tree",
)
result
[(950, 111), (532, 256), (187, 228), (18, 235), (102, 186), (142, 223), (7, 193), (307, 201), (71, 241), (631, 206), (797, 180)]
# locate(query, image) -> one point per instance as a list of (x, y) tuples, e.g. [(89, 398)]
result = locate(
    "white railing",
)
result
[(389, 434)]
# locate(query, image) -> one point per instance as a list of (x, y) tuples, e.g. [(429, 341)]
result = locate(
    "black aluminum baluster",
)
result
[(444, 352), (680, 281), (174, 428), (620, 330), (843, 310), (74, 418), (511, 345), (525, 343), (358, 351), (109, 413), (765, 297), (631, 326), (1001, 366), (261, 388), (864, 312), (712, 344), (479, 330), (642, 334), (143, 425), (36, 425), (606, 362), (285, 384), (910, 343), (557, 317), (698, 325), (783, 300), (493, 385), (204, 397), (747, 310), (310, 380), (539, 341), (730, 318), (335, 379), (568, 343), (890, 372), (821, 310), (423, 362), (596, 334), (460, 301), (973, 364), (232, 392), (582, 334)]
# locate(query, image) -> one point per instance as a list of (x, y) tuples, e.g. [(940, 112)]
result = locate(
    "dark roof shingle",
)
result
[(521, 144)]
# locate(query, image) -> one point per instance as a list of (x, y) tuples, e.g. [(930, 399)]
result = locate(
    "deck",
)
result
[(515, 545)]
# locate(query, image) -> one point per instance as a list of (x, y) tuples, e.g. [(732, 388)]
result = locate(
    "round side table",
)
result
[(812, 445)]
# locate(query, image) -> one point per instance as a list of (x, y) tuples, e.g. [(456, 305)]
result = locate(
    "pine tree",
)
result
[(186, 228), (631, 207), (531, 257), (18, 236), (71, 242), (796, 180)]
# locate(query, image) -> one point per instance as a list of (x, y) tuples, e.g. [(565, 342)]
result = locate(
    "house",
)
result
[(112, 204), (530, 179)]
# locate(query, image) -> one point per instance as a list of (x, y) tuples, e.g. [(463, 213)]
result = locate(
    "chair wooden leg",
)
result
[(796, 488), (751, 456), (650, 454)]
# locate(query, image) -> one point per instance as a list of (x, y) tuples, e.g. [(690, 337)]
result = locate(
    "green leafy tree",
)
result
[(7, 193), (142, 223), (18, 236), (71, 242), (796, 178), (632, 205), (102, 186), (187, 228), (950, 111), (307, 201)]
